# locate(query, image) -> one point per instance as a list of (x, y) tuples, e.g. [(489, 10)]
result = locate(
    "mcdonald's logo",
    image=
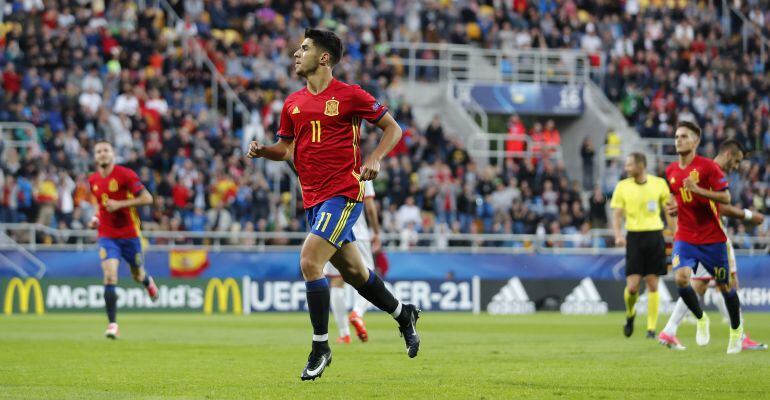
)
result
[(223, 290), (25, 289)]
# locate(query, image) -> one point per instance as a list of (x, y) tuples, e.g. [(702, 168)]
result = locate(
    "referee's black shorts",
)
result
[(645, 253)]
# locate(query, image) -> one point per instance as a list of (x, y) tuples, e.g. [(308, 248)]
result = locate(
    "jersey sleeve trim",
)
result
[(376, 120), (285, 136)]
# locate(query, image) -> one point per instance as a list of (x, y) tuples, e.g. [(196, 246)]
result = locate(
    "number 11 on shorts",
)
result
[(323, 220)]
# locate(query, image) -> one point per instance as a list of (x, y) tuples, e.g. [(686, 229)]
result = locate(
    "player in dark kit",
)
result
[(697, 184), (118, 190), (320, 128)]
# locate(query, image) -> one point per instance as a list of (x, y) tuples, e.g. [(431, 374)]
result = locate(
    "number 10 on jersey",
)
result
[(316, 132)]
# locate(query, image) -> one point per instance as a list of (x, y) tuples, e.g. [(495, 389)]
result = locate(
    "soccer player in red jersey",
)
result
[(698, 184), (320, 129), (729, 158), (118, 190)]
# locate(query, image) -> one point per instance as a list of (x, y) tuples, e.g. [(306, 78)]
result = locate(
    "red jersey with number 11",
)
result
[(698, 217), (326, 130), (120, 184)]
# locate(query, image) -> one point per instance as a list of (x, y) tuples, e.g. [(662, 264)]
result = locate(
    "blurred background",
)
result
[(517, 116)]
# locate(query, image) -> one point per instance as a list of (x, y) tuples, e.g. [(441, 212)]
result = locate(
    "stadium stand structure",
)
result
[(129, 72)]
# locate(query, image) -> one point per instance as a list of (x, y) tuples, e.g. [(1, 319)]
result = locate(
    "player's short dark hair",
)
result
[(639, 158), (105, 141), (732, 146), (327, 41), (692, 126)]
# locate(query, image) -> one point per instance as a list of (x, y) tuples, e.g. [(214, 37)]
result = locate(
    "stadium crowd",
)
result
[(84, 71)]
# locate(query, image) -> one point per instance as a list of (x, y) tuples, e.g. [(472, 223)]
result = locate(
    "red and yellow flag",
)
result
[(187, 263)]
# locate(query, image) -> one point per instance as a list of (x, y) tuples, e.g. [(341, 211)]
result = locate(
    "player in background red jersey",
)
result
[(698, 184), (118, 191), (320, 129), (730, 155)]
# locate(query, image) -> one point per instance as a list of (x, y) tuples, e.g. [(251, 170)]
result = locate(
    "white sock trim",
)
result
[(396, 313), (321, 338)]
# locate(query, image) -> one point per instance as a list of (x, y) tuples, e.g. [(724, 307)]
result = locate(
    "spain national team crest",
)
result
[(113, 185), (694, 175), (332, 108), (675, 261), (102, 253)]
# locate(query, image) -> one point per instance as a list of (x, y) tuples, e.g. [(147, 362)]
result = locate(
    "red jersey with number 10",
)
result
[(698, 217), (120, 184), (326, 130)]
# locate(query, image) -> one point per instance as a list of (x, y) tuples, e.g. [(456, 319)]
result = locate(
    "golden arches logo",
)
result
[(25, 289), (223, 290)]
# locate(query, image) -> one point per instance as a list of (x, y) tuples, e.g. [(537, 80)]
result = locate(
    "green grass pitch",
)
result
[(462, 356)]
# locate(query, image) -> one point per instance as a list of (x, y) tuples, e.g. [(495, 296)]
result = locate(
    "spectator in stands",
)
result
[(551, 136), (407, 214), (68, 86), (516, 140), (612, 147), (587, 157)]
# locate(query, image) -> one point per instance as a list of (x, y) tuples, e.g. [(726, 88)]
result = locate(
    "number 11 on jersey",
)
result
[(316, 133)]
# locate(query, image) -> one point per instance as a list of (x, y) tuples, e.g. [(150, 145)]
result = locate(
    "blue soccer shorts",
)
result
[(127, 249), (712, 257), (333, 219)]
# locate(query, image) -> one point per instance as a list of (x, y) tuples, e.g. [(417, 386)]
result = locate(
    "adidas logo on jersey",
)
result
[(667, 302), (584, 299), (511, 299)]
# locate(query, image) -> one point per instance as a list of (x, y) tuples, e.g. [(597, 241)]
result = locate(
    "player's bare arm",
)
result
[(280, 151), (144, 199), (617, 219), (722, 196), (391, 134), (731, 211), (370, 208)]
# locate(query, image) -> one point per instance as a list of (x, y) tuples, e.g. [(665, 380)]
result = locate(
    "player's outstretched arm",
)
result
[(144, 199), (391, 134), (280, 151), (731, 211), (721, 196)]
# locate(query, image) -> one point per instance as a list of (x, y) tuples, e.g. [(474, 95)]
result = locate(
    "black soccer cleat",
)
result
[(316, 364), (409, 330), (628, 329), (651, 334)]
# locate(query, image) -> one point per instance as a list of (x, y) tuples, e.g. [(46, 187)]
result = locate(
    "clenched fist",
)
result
[(255, 150)]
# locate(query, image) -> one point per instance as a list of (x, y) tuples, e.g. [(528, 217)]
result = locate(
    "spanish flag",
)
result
[(187, 263)]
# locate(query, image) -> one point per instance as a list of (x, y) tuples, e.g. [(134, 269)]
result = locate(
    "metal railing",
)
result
[(657, 147), (442, 61), (492, 146), (251, 122), (7, 139), (218, 81), (748, 29), (35, 237)]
